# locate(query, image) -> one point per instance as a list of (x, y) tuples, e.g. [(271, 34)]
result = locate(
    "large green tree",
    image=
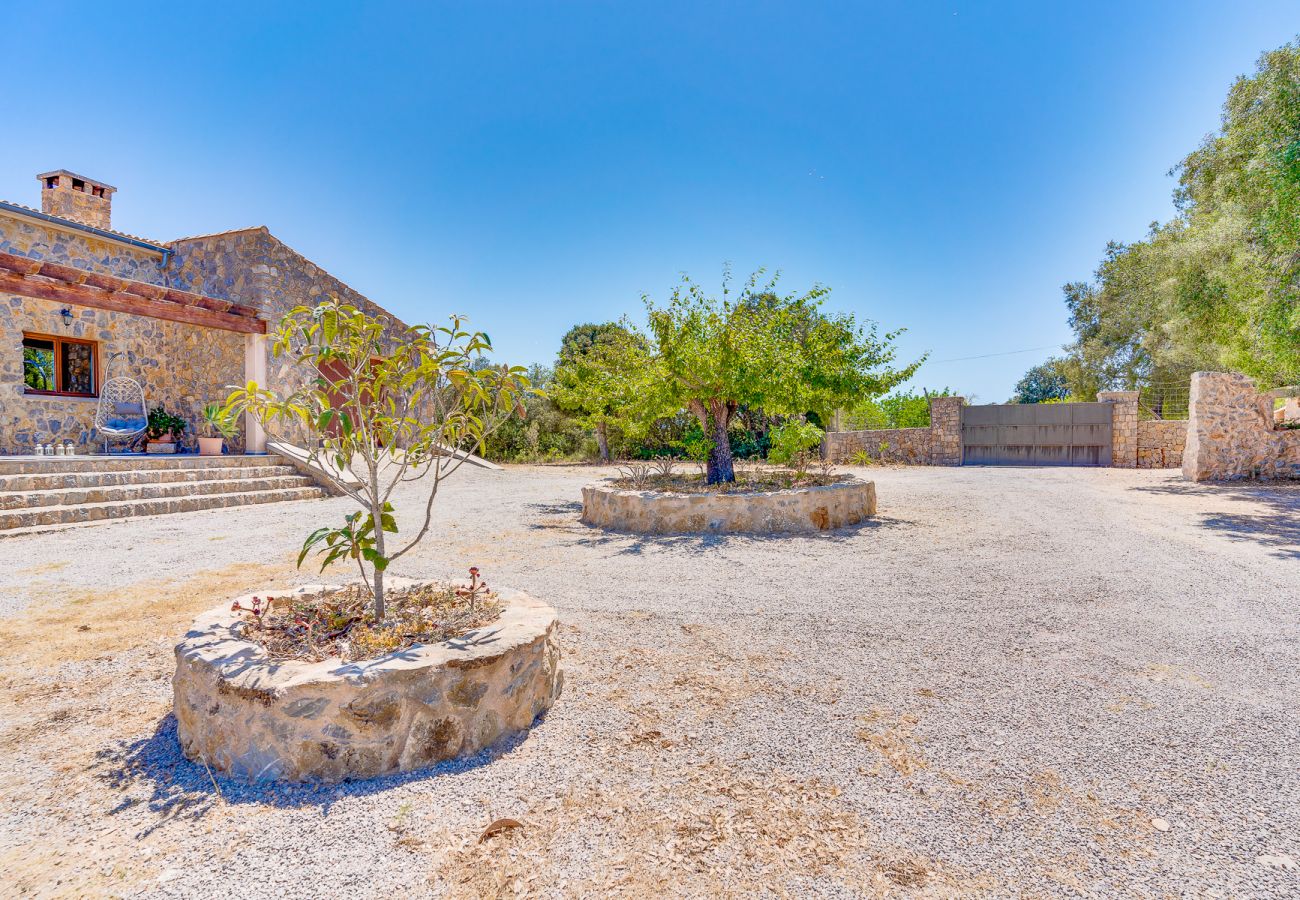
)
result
[(591, 376), (758, 349), (1219, 285), (1043, 382)]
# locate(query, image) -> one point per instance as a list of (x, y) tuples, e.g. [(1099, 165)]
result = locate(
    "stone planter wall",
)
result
[(255, 718), (1231, 432), (798, 510)]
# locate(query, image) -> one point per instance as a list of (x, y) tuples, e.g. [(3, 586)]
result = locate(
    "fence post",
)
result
[(1123, 427)]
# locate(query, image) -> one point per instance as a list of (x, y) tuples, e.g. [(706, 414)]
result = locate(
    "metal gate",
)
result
[(1037, 434)]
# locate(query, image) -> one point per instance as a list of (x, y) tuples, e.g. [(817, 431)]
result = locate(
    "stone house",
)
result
[(80, 302)]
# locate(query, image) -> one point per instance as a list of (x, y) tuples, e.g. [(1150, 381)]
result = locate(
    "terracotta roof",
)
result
[(52, 281), (8, 205)]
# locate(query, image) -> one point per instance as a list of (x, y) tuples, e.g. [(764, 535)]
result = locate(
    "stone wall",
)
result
[(182, 367), (771, 512), (1231, 432), (895, 445), (937, 445), (1160, 443), (1124, 427)]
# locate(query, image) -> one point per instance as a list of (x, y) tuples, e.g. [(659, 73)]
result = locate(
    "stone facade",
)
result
[(1160, 443), (256, 269), (1231, 432), (893, 445), (773, 512), (1124, 427), (182, 367), (252, 717), (39, 240)]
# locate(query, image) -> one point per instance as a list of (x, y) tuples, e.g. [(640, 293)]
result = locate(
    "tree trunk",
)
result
[(379, 573), (602, 441), (714, 419)]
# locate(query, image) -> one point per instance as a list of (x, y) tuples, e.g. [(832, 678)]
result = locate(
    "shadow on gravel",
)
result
[(183, 791), (1278, 528), (555, 509), (631, 543)]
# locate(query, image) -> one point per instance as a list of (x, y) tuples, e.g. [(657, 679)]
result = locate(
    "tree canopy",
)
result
[(756, 349), (1218, 286), (1044, 382)]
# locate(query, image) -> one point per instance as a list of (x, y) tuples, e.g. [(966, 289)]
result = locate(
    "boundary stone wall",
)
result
[(938, 445), (904, 445), (1231, 432), (1160, 443)]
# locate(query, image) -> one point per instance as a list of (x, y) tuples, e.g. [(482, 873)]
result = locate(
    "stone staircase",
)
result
[(39, 494)]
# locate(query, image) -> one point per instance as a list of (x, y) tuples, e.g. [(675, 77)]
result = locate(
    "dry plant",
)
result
[(638, 473)]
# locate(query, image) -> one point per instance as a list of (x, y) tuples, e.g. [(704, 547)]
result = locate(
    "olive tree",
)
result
[(761, 350), (382, 405), (591, 380)]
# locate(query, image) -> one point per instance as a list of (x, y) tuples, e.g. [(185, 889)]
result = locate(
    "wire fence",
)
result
[(1165, 398)]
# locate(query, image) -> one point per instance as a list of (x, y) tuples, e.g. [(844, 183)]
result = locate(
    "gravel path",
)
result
[(1012, 680)]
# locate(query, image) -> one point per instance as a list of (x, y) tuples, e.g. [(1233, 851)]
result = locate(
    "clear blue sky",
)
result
[(942, 166)]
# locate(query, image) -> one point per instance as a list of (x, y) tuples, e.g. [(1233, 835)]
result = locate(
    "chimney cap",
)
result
[(95, 181)]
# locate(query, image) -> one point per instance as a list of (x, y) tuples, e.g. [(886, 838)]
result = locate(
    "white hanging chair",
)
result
[(121, 413)]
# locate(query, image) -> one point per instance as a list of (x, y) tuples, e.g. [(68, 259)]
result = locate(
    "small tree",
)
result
[(393, 406), (780, 354), (592, 376)]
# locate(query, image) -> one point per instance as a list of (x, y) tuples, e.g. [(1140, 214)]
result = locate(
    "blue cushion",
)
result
[(135, 424)]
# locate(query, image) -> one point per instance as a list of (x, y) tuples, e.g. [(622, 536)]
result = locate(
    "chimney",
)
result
[(76, 197)]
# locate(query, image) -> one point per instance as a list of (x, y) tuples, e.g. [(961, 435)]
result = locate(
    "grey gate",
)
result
[(1037, 434)]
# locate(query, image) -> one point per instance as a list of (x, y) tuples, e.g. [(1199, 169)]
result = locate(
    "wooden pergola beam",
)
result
[(65, 284)]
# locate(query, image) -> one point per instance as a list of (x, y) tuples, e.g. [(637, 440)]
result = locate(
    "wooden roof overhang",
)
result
[(78, 287)]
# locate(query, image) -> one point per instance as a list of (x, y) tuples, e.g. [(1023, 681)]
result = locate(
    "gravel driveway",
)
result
[(1062, 682)]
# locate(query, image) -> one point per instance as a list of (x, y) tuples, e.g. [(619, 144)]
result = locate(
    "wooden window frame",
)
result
[(58, 341)]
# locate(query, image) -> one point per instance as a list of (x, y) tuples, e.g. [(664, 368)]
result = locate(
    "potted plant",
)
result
[(163, 431), (381, 675), (221, 424)]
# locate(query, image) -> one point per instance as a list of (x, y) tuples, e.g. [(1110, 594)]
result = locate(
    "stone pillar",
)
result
[(945, 430), (1124, 427), (254, 370), (1231, 434)]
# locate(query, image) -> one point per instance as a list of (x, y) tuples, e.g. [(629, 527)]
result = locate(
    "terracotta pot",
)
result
[(210, 446)]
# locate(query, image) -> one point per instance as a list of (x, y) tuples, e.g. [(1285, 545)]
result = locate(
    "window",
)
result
[(78, 184), (56, 365), (52, 181)]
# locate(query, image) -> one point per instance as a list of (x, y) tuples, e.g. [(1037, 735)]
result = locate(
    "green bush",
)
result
[(792, 441)]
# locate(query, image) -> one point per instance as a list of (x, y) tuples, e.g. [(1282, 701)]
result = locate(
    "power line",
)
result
[(1005, 353)]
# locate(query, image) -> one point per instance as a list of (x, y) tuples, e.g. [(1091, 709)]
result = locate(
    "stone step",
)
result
[(50, 481), (31, 519), (82, 494), (37, 465)]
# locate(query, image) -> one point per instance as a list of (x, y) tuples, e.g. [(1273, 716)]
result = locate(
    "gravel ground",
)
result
[(1011, 681)]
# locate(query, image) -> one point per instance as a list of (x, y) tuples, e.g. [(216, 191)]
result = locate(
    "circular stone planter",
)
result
[(769, 512), (253, 717)]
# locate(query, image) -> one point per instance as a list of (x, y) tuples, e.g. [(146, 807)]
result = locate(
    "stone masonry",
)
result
[(1231, 432), (945, 430), (937, 445), (1124, 425), (892, 445), (1160, 443)]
